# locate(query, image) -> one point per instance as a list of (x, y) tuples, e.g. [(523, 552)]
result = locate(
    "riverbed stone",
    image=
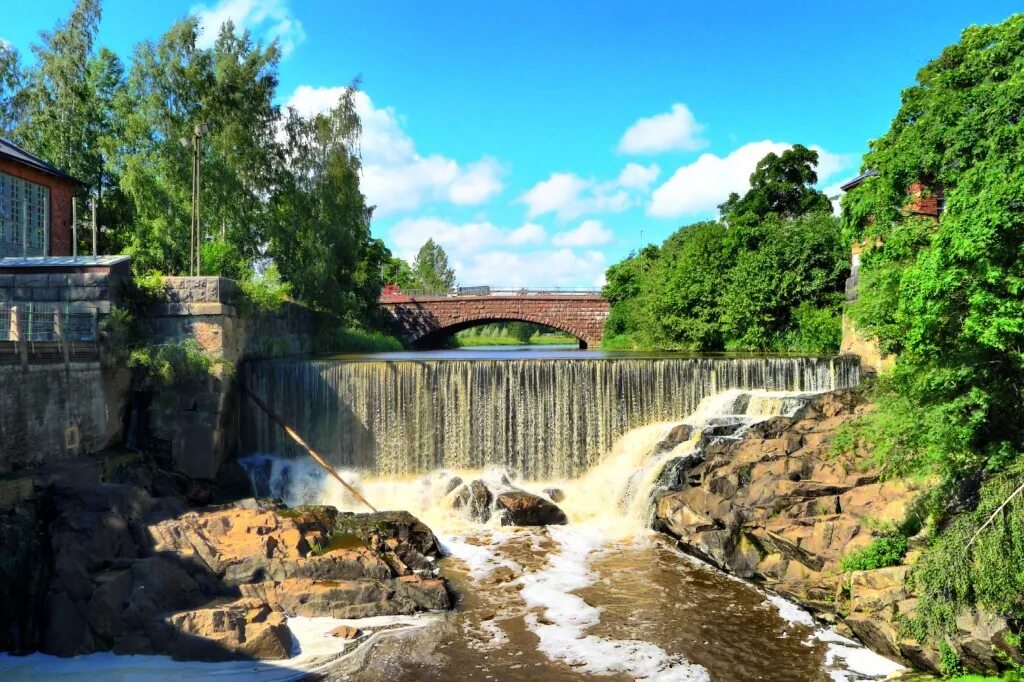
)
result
[(520, 508)]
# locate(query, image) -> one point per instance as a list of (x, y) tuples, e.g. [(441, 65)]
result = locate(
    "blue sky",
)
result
[(537, 140)]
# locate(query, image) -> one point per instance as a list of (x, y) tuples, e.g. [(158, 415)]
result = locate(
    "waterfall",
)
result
[(539, 418)]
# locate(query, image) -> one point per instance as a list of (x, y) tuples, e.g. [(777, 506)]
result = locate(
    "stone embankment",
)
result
[(779, 508), (111, 567)]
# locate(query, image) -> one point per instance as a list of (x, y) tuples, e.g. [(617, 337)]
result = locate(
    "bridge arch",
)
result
[(434, 339), (427, 320)]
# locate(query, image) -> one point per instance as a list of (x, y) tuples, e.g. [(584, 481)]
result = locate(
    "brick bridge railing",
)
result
[(424, 318)]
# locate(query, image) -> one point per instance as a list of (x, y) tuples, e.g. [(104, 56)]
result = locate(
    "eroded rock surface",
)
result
[(122, 570), (779, 508)]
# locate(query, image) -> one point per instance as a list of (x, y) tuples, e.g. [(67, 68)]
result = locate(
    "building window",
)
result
[(24, 217)]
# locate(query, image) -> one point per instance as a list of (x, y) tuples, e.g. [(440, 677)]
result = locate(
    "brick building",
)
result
[(35, 205)]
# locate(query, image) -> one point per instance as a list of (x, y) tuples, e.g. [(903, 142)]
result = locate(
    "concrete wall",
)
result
[(53, 412)]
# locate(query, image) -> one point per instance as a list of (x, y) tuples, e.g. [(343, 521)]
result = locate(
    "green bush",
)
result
[(173, 364), (264, 293), (814, 330), (887, 550)]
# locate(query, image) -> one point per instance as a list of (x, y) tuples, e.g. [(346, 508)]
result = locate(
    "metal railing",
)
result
[(489, 291), (47, 333)]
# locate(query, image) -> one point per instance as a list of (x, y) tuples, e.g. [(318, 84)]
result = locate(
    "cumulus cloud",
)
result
[(271, 18), (636, 176), (676, 130), (460, 239), (569, 196), (539, 269), (485, 254), (396, 177), (589, 233), (700, 186)]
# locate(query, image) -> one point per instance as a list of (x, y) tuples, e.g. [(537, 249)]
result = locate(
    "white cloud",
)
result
[(530, 233), (5, 43), (700, 186), (676, 130), (484, 254), (460, 239), (636, 176), (589, 233), (272, 18), (569, 196), (540, 269), (395, 176)]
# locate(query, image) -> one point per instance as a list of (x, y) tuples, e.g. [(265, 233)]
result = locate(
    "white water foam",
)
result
[(316, 650), (843, 656), (566, 617)]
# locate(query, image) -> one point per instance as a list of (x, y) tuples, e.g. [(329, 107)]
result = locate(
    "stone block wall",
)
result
[(58, 411), (87, 290), (200, 421)]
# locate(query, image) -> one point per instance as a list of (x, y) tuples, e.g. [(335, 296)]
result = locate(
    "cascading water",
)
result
[(601, 595), (618, 492), (541, 419)]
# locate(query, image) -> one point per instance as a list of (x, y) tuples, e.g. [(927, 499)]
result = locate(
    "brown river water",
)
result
[(601, 598)]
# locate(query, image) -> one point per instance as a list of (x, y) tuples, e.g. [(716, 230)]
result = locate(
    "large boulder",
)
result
[(520, 508), (244, 629), (126, 572)]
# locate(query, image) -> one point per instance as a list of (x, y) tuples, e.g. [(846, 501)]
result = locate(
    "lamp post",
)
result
[(195, 231)]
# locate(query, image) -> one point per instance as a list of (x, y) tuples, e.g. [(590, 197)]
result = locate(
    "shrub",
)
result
[(884, 551), (264, 293), (173, 364)]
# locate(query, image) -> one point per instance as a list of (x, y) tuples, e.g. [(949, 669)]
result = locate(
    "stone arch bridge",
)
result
[(426, 319)]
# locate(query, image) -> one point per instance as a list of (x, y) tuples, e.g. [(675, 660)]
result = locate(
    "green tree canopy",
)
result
[(431, 269), (947, 296), (780, 185), (767, 277), (397, 271)]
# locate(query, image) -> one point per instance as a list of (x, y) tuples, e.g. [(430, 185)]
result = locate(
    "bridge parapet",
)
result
[(424, 318)]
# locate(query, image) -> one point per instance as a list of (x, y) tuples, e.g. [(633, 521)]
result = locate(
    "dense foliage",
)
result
[(274, 184), (947, 298), (430, 269), (768, 276)]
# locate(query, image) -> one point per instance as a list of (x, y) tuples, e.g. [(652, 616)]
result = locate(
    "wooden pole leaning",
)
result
[(312, 453)]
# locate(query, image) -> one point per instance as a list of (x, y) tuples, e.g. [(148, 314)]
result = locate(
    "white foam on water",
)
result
[(317, 649), (790, 612), (566, 617), (480, 559)]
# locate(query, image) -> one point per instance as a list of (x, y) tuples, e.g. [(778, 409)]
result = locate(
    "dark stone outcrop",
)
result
[(778, 507), (520, 508), (109, 567)]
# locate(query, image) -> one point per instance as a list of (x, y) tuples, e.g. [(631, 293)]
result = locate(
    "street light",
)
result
[(195, 232)]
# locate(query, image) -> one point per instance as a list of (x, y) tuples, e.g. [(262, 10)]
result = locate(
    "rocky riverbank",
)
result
[(101, 566), (778, 507)]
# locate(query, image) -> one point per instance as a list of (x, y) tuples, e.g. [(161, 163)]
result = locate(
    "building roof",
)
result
[(9, 150), (869, 173)]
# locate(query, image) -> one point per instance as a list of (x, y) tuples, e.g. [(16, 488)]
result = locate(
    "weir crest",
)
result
[(540, 418)]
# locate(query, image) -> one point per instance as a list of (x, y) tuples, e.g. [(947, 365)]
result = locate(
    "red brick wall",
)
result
[(923, 201), (61, 191), (581, 316)]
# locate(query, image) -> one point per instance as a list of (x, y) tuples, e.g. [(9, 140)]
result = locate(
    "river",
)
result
[(603, 597)]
